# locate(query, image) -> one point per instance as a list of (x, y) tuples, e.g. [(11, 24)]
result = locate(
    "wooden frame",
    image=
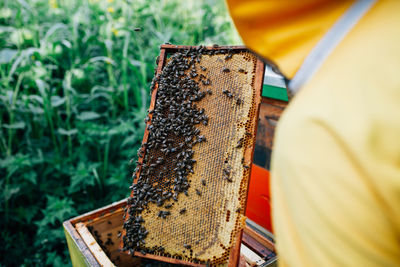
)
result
[(248, 153)]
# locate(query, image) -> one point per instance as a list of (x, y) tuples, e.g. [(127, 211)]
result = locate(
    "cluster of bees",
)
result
[(167, 155), (100, 241)]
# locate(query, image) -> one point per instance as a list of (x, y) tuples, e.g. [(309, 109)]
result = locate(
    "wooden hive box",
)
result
[(93, 240)]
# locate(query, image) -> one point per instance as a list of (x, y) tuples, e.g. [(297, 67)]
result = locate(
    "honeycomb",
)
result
[(207, 230)]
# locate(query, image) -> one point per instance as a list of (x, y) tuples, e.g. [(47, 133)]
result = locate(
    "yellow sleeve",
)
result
[(285, 31)]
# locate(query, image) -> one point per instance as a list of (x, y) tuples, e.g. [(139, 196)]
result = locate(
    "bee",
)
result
[(226, 70), (203, 182), (198, 192), (227, 171), (240, 143), (228, 179), (137, 29), (227, 93)]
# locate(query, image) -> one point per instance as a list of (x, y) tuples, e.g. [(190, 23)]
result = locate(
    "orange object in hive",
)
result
[(258, 207)]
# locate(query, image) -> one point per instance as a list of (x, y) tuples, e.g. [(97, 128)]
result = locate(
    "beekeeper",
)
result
[(336, 161)]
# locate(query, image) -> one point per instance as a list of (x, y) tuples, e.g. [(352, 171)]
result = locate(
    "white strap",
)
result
[(326, 45)]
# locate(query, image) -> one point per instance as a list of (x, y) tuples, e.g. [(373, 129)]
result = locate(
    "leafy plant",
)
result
[(74, 87)]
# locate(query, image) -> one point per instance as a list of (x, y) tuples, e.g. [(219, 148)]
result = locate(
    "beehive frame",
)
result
[(247, 152)]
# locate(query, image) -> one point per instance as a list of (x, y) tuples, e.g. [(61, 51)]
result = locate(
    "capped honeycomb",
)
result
[(191, 207)]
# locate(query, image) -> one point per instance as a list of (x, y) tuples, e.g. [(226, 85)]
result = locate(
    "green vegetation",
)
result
[(74, 87)]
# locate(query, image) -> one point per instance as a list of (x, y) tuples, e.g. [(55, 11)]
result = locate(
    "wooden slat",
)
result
[(274, 102), (255, 245), (94, 247), (166, 259), (99, 212), (173, 48), (259, 238), (235, 251), (80, 253), (251, 258)]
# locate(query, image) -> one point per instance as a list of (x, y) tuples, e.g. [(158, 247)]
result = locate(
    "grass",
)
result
[(74, 87)]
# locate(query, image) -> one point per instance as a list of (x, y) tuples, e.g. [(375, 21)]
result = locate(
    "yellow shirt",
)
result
[(336, 161)]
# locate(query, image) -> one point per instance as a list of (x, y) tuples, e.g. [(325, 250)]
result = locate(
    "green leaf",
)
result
[(34, 109), (31, 177), (82, 177), (104, 59), (66, 43), (67, 132), (10, 191), (54, 29), (15, 125), (27, 214), (53, 259), (135, 62), (22, 56), (4, 29), (41, 86), (57, 101), (6, 55), (58, 209), (88, 115), (37, 98), (129, 140)]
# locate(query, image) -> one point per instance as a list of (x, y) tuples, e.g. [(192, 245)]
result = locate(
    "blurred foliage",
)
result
[(74, 87)]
